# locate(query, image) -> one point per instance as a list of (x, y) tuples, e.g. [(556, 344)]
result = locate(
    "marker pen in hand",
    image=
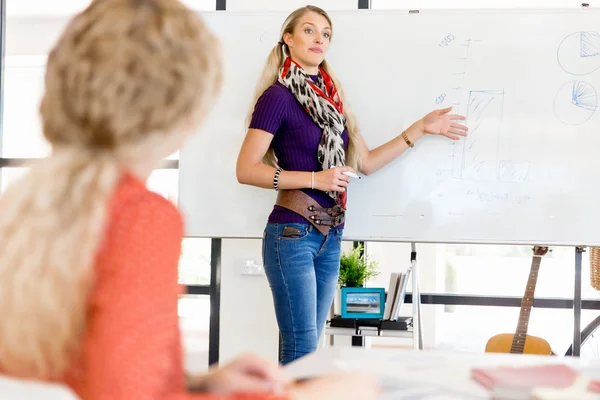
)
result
[(349, 173)]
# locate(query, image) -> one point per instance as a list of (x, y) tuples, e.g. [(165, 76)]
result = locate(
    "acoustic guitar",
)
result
[(520, 342)]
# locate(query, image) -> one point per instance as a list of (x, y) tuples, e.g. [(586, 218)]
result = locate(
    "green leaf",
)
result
[(356, 268)]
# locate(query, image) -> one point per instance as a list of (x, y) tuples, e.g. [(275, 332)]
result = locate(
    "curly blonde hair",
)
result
[(124, 77)]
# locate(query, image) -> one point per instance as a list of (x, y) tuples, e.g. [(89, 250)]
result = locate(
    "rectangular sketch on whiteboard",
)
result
[(479, 159)]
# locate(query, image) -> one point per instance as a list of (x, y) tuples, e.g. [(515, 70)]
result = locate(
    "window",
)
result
[(165, 182), (22, 135), (194, 321), (10, 175), (194, 265), (468, 328), (504, 271)]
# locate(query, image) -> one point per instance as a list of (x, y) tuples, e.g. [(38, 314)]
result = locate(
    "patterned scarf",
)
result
[(323, 104)]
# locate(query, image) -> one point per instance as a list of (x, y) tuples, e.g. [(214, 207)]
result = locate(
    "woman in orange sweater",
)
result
[(88, 256)]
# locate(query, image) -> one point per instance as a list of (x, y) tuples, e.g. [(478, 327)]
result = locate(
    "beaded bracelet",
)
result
[(276, 179)]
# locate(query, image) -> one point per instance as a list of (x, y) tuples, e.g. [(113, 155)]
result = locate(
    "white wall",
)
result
[(272, 5), (247, 316), (31, 8)]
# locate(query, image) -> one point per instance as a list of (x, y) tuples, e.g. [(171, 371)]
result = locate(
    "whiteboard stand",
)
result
[(577, 303), (416, 300)]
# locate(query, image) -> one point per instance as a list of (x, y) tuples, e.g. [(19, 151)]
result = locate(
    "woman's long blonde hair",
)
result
[(125, 77), (271, 72)]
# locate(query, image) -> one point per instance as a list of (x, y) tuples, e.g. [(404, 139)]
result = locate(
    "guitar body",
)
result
[(502, 343)]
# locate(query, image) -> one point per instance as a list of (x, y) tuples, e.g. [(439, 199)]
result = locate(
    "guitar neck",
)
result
[(526, 305)]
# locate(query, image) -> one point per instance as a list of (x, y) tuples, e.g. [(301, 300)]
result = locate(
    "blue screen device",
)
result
[(363, 303)]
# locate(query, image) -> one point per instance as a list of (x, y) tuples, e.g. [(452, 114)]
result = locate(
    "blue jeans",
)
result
[(302, 272)]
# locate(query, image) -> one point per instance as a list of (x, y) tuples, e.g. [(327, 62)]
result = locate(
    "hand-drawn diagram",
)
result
[(480, 147), (477, 157), (575, 102), (511, 171), (579, 53), (457, 90)]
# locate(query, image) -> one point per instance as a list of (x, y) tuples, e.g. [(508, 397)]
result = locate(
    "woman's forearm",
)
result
[(262, 175), (381, 156)]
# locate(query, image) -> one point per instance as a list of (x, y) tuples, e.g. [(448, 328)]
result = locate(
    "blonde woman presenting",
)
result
[(88, 256), (303, 141)]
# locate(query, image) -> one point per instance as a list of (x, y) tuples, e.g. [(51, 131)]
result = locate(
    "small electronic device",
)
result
[(360, 302)]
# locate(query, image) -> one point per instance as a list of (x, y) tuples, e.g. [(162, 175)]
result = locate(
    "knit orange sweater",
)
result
[(132, 347)]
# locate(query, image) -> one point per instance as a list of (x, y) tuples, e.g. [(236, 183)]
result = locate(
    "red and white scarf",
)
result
[(322, 102)]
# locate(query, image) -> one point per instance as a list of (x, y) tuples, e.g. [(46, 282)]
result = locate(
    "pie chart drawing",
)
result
[(579, 53), (575, 102)]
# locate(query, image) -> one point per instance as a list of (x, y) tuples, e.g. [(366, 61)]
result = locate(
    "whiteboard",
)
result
[(528, 81)]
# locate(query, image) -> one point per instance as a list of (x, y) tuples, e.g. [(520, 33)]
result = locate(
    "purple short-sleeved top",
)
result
[(295, 142)]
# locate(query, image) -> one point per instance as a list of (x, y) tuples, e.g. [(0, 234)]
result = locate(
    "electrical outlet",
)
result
[(250, 267)]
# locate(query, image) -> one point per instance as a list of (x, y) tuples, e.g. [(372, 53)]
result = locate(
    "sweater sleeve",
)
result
[(132, 348), (270, 108)]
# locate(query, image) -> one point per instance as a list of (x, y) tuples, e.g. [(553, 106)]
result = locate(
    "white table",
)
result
[(446, 375)]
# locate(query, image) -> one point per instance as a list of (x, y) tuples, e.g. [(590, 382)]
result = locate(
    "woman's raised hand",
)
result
[(439, 122)]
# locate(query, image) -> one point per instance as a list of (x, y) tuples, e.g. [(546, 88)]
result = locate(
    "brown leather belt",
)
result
[(301, 203)]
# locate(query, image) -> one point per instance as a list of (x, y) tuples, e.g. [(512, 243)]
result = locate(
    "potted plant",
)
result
[(356, 268)]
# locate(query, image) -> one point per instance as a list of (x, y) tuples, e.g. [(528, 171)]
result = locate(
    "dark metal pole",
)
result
[(215, 301), (215, 279), (364, 4), (577, 303)]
